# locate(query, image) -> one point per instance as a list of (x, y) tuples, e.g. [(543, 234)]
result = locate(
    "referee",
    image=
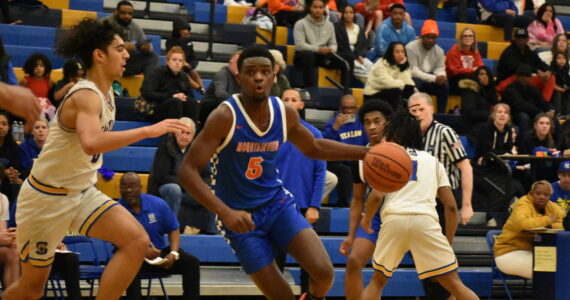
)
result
[(443, 142)]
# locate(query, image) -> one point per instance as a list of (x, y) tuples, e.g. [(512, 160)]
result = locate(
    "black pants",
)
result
[(174, 108), (281, 258), (440, 91), (206, 108), (395, 97), (66, 265), (188, 266), (344, 187), (5, 9), (461, 8), (308, 61), (141, 63), (288, 18), (507, 21)]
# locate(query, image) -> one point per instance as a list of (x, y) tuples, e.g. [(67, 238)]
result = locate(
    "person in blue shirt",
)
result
[(31, 147), (158, 219), (359, 245), (561, 188), (393, 29), (241, 139), (346, 128)]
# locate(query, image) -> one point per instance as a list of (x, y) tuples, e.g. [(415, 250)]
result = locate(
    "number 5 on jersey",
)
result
[(254, 168)]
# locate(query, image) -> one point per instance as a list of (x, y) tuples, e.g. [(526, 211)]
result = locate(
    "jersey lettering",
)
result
[(254, 168)]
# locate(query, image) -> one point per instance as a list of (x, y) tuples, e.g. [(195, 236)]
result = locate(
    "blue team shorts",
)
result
[(373, 237), (276, 224)]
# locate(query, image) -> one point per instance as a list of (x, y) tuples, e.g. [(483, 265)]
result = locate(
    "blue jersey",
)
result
[(244, 168)]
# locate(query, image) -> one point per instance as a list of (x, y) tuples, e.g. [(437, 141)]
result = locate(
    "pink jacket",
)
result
[(538, 33)]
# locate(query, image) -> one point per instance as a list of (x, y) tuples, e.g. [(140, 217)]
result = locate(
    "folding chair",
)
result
[(497, 274), (94, 269)]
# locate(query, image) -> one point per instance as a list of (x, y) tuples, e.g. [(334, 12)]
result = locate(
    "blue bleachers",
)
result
[(91, 5), (126, 125), (20, 54), (202, 13), (31, 36), (136, 159)]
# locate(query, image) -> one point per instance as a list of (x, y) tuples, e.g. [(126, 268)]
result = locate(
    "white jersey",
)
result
[(62, 162), (417, 197)]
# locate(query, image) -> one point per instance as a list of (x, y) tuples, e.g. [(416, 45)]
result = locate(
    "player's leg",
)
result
[(362, 250), (272, 283), (30, 286), (131, 241), (373, 290), (306, 247), (455, 286)]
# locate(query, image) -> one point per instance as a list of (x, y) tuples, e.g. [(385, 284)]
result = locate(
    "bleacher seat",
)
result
[(90, 5), (134, 159), (20, 54), (37, 16), (126, 125), (31, 36)]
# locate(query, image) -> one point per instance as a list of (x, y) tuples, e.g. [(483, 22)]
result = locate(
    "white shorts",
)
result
[(45, 214), (420, 234)]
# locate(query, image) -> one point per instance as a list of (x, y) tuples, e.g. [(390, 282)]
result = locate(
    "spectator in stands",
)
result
[(346, 128), (393, 29), (463, 58), (478, 95), (496, 136), (142, 60), (72, 72), (559, 44), (434, 5), (31, 147), (529, 7), (181, 37), (163, 180), (517, 54), (9, 258), (352, 43), (38, 69), (10, 158), (525, 100), (513, 248), (561, 188), (543, 30), (281, 83), (302, 176), (375, 11), (224, 84), (7, 74), (428, 64), (169, 88), (286, 12), (157, 219), (391, 78), (502, 13), (540, 139), (561, 96), (315, 45)]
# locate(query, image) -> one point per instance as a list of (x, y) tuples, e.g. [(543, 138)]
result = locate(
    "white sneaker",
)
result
[(231, 3), (492, 223), (244, 3)]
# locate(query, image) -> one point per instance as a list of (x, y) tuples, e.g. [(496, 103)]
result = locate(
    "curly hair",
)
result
[(32, 62), (85, 37), (404, 129)]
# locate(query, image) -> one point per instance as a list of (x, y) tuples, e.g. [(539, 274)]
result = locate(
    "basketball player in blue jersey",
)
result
[(241, 138), (359, 245), (59, 195), (410, 221)]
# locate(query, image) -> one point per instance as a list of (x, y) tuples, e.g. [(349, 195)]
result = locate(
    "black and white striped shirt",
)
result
[(443, 142)]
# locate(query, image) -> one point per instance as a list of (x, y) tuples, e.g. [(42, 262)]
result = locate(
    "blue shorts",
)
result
[(276, 224), (373, 237)]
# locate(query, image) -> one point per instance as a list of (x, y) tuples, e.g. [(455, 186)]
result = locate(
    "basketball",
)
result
[(387, 167)]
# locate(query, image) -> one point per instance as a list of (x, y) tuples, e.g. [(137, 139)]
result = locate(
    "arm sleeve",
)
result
[(523, 218), (26, 160), (454, 147), (329, 132), (453, 63), (320, 170), (440, 62), (12, 79), (221, 83), (361, 44), (5, 206), (442, 178), (300, 40), (169, 222), (381, 40), (414, 59), (559, 26), (383, 79), (332, 39), (139, 34), (151, 86), (163, 165)]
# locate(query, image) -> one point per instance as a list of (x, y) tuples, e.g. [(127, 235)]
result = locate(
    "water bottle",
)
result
[(15, 131), (21, 131)]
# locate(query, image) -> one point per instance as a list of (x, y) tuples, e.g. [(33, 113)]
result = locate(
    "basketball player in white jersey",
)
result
[(59, 195), (410, 221)]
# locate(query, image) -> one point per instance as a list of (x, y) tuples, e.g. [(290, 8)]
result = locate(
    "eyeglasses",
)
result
[(468, 35)]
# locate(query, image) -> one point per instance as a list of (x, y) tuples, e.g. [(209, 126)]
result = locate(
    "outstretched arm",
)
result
[(373, 203), (322, 149), (82, 113), (355, 215), (202, 149)]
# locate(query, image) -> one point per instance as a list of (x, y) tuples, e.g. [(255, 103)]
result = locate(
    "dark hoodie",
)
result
[(475, 105), (512, 58), (184, 43)]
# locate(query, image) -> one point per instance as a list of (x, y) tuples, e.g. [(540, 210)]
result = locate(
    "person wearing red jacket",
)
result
[(463, 58)]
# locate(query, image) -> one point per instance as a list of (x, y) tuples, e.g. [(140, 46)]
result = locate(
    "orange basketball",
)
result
[(387, 167)]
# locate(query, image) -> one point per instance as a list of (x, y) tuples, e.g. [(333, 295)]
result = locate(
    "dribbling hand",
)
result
[(166, 126), (238, 221)]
